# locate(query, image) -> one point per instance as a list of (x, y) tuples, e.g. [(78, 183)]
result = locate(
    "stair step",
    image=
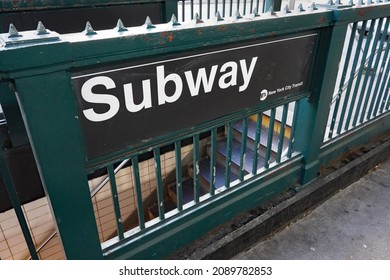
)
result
[(169, 205), (187, 190), (251, 136), (204, 174), (236, 156)]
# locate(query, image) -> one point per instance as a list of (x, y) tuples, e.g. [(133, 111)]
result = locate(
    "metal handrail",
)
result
[(105, 180)]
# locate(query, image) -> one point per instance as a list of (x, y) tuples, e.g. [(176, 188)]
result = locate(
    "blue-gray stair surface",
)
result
[(204, 174), (236, 156), (251, 136)]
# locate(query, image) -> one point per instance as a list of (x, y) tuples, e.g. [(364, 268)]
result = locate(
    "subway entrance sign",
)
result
[(122, 105)]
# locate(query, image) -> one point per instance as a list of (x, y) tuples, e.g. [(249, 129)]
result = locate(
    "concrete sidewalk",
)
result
[(353, 224)]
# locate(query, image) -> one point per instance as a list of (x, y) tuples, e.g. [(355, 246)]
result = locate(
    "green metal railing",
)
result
[(361, 94), (291, 137), (247, 165)]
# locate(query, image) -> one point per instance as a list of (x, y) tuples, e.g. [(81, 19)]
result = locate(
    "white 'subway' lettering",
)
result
[(195, 80)]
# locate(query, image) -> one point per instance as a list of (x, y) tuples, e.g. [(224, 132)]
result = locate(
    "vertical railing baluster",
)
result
[(351, 77), (231, 8), (383, 89), (378, 72), (281, 133), (192, 9), (200, 9), (183, 11), (381, 80), (196, 167), (270, 136), (386, 104), (238, 5), (293, 129), (115, 200), (357, 86), (208, 8), (223, 8), (251, 7), (229, 132), (258, 6), (213, 160), (160, 193), (359, 75), (369, 75), (257, 146), (244, 12), (179, 177), (244, 137), (138, 193), (341, 84), (216, 8)]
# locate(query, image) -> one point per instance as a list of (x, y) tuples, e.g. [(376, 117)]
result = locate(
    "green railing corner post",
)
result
[(48, 107), (169, 9), (313, 111)]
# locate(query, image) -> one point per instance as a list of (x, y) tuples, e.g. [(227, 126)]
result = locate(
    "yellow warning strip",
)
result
[(277, 125)]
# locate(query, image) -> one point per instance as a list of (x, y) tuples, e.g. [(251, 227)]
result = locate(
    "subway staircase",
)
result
[(170, 201)]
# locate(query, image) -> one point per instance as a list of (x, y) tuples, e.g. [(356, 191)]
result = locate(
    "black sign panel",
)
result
[(124, 105)]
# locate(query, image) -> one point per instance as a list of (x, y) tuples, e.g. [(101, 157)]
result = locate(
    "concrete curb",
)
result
[(284, 213)]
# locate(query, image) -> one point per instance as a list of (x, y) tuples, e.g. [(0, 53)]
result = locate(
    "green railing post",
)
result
[(313, 111), (169, 9), (49, 112), (276, 5)]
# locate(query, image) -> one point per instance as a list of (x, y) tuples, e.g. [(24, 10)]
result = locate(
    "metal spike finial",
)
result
[(299, 8), (271, 11), (174, 21), (198, 19), (120, 27), (218, 16), (89, 29), (313, 7), (255, 13), (173, 18), (41, 29), (148, 23), (237, 15), (13, 32), (286, 10)]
